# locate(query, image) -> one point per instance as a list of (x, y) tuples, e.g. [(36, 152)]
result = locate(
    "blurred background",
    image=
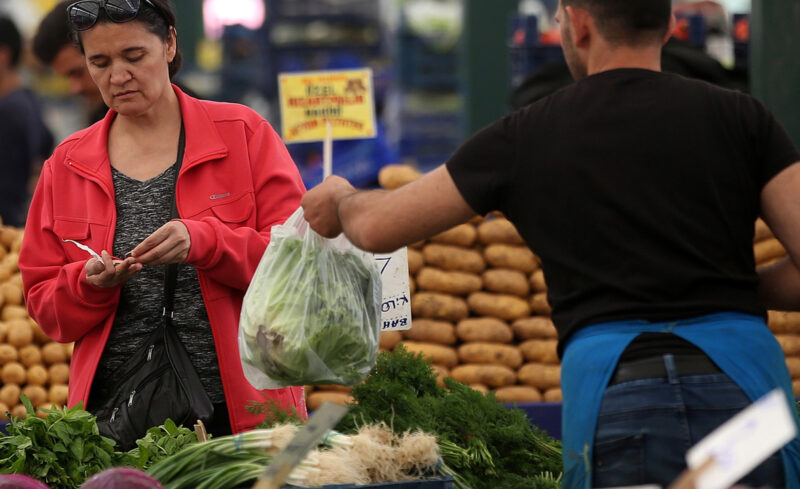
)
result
[(442, 68)]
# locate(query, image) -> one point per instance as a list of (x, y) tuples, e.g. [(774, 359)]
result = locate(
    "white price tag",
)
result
[(742, 443), (396, 305)]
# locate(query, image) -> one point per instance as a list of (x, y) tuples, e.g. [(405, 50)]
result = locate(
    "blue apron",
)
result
[(740, 344)]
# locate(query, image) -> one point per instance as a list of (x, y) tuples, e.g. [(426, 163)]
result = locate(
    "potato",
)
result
[(3, 252), (541, 376), (54, 353), (8, 354), (39, 336), (415, 261), (553, 395), (317, 398), (431, 331), (461, 235), (433, 353), (537, 281), (762, 231), (389, 339), (540, 351), (68, 348), (791, 322), (480, 388), (11, 260), (535, 327), (11, 311), (434, 305), (16, 279), (17, 244), (490, 330), (40, 409), (9, 394), (394, 176), (58, 373), (3, 412), (36, 394), (8, 235), (539, 304), (796, 388), (516, 257), (518, 394), (37, 375), (13, 373), (793, 364), (448, 257), (19, 411), (30, 355), (3, 331), (499, 230), (767, 250), (418, 245), (412, 285), (19, 333), (490, 353), (12, 293), (789, 343), (490, 375), (335, 387), (501, 306), (449, 282), (441, 373), (506, 282)]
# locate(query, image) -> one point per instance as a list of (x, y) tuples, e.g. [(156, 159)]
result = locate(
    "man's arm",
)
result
[(779, 284), (385, 220)]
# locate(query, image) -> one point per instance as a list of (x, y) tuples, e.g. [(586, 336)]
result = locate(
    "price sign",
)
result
[(313, 100), (396, 305)]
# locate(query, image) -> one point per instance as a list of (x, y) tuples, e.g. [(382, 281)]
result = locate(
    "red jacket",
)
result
[(237, 180)]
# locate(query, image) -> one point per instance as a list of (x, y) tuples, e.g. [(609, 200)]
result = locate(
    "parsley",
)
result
[(161, 442), (62, 450)]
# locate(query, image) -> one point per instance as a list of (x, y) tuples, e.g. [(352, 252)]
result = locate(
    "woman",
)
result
[(110, 187)]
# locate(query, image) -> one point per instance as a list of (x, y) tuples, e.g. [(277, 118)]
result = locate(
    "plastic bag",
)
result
[(311, 314)]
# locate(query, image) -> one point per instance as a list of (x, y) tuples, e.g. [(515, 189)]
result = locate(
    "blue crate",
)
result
[(422, 68), (445, 482)]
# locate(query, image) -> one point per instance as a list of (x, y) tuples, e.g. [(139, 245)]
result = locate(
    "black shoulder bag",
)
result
[(159, 381)]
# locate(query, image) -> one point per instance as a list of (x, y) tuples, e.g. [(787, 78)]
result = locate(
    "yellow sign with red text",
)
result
[(311, 99)]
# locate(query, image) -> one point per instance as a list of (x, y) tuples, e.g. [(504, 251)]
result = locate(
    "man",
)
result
[(53, 46), (639, 191), (25, 141)]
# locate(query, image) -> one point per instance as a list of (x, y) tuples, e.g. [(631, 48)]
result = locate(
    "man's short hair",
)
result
[(10, 38), (632, 22), (53, 34)]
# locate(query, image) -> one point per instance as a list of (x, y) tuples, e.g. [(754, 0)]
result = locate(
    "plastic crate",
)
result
[(422, 68), (315, 8), (445, 482)]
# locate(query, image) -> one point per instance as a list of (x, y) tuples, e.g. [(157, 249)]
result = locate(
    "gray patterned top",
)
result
[(142, 208)]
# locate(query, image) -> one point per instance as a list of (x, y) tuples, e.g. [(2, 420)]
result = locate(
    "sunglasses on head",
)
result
[(83, 14)]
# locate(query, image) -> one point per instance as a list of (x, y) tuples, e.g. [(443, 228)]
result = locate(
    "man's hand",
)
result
[(109, 272), (168, 244), (321, 205)]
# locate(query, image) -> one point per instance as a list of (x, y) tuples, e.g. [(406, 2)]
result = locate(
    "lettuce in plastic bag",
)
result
[(311, 314)]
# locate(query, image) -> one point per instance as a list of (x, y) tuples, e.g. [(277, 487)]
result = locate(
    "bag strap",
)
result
[(171, 273)]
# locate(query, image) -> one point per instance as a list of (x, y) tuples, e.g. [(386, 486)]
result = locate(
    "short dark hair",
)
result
[(52, 34), (9, 36), (157, 20), (632, 22)]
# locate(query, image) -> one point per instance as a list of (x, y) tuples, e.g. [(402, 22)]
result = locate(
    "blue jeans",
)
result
[(645, 427)]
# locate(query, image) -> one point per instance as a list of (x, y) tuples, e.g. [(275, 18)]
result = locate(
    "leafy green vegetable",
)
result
[(62, 450), (161, 442), (274, 413), (311, 314), (484, 443)]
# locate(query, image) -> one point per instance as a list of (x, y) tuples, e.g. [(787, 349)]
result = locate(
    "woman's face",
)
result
[(129, 64)]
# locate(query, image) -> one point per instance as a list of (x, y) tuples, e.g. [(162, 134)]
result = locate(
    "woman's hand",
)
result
[(109, 272), (168, 244)]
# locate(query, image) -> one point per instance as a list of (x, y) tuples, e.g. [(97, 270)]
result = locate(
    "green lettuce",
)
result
[(312, 313)]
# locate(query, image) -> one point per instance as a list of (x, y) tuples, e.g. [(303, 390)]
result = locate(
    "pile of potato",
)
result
[(30, 363), (480, 311)]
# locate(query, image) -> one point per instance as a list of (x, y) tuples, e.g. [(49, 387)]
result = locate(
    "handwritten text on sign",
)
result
[(311, 99), (396, 306)]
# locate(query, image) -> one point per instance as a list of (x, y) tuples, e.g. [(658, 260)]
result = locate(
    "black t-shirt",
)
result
[(638, 190)]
